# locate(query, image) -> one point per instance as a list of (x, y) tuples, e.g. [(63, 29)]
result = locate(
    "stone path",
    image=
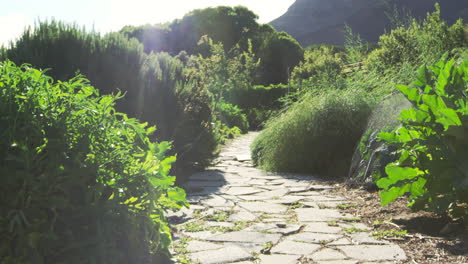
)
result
[(240, 214)]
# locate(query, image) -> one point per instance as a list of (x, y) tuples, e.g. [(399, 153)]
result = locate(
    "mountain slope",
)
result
[(322, 21)]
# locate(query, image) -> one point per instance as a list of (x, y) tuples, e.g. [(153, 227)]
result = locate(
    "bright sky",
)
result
[(111, 15)]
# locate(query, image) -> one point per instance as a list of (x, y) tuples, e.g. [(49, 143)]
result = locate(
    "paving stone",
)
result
[(327, 254), (322, 227), (242, 191), (217, 201), (322, 204), (340, 242), (294, 248), (324, 198), (194, 184), (246, 237), (222, 255), (242, 216), (263, 207), (205, 190), (273, 194), (319, 215), (249, 247), (200, 235), (233, 184), (195, 246), (309, 194), (279, 259), (285, 216), (273, 220), (317, 238), (289, 199), (374, 252), (208, 175), (242, 157), (218, 224), (194, 199), (366, 238), (321, 187), (341, 261), (298, 189), (287, 230), (197, 207), (253, 198), (260, 227)]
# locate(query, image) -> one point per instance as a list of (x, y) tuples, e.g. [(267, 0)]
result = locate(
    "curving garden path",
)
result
[(240, 214)]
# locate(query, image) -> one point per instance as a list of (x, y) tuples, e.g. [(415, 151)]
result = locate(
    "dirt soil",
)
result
[(423, 242)]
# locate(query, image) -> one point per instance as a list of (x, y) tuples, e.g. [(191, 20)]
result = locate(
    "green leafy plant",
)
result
[(432, 142), (80, 182)]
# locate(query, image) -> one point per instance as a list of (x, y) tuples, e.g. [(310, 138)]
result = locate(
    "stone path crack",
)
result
[(240, 214)]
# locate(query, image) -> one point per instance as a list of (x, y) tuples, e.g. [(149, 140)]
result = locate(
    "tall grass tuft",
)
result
[(316, 135)]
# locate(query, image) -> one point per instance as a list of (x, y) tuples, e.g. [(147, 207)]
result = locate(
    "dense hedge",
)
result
[(154, 85), (80, 182)]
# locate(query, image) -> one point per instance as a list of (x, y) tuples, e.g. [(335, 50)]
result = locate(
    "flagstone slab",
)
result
[(208, 175), (200, 235), (289, 199), (327, 254), (222, 255), (294, 248), (218, 224), (217, 201), (243, 157), (374, 252), (263, 207), (340, 242), (317, 238), (242, 216), (246, 237), (279, 259), (290, 211), (287, 230), (196, 184), (319, 215), (341, 261), (273, 194), (322, 227), (242, 190), (196, 245)]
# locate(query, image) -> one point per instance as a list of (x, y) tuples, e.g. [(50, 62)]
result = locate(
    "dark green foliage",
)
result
[(259, 96), (432, 143), (279, 54), (228, 25), (315, 135), (322, 60), (259, 102), (154, 85), (80, 182), (418, 44), (232, 116), (234, 27)]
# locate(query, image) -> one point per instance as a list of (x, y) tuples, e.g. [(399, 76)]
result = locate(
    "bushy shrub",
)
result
[(154, 85), (321, 60), (233, 116), (432, 143), (418, 44), (315, 135), (80, 182)]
